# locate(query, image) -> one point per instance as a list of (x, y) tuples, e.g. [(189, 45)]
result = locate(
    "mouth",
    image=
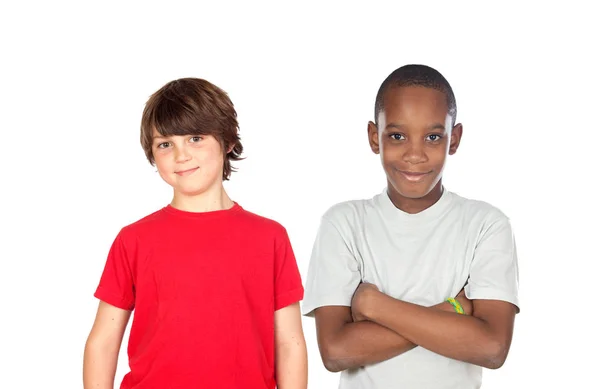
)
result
[(186, 172), (414, 176)]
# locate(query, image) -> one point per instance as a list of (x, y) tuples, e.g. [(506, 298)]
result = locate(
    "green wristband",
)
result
[(457, 307)]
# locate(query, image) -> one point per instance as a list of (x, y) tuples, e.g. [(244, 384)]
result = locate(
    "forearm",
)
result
[(99, 367), (291, 364), (363, 343), (462, 337)]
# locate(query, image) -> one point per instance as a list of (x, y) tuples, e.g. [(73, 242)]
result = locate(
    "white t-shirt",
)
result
[(421, 258)]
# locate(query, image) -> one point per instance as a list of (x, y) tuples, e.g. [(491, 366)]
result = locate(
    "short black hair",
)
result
[(417, 75)]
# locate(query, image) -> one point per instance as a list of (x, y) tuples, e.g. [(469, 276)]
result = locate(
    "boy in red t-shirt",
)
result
[(215, 288)]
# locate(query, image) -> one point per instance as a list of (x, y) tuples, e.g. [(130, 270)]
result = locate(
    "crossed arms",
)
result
[(378, 327)]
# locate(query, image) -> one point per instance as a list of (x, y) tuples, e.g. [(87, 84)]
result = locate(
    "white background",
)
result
[(74, 79)]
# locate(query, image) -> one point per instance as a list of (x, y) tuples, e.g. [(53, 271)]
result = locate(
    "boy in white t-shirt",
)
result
[(416, 287)]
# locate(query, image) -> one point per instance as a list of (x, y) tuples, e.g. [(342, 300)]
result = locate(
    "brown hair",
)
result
[(192, 106)]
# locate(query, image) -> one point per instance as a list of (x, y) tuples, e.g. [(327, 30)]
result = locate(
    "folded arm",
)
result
[(482, 339), (347, 343)]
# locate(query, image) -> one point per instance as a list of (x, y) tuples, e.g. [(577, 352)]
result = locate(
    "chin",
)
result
[(413, 191), (190, 192)]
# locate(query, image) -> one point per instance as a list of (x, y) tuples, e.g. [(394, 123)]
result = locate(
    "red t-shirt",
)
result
[(205, 287)]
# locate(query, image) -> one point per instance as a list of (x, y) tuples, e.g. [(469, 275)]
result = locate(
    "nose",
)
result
[(181, 155), (414, 153)]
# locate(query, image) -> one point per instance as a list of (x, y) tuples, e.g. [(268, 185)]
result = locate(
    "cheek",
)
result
[(209, 158), (390, 154), (437, 165), (160, 161), (438, 155)]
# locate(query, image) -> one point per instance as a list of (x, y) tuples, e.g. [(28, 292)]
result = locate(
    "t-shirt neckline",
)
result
[(170, 210), (427, 215)]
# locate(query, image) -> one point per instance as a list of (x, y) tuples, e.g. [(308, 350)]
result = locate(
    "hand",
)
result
[(465, 302), (361, 301)]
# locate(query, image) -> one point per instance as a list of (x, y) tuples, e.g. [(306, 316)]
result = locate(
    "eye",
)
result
[(433, 137), (397, 136), (163, 145), (195, 139)]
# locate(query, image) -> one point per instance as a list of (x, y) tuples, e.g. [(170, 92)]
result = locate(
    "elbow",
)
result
[(93, 351), (332, 365), (97, 348), (494, 363), (331, 358), (495, 355), (95, 344), (91, 346)]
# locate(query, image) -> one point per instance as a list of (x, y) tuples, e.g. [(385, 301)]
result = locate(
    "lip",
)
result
[(414, 176), (186, 172)]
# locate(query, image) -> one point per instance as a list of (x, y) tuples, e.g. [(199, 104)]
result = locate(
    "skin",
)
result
[(291, 359), (413, 135), (482, 339), (102, 347), (193, 167), (347, 340)]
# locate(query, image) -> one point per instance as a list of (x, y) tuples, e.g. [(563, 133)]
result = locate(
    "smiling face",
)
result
[(414, 135), (191, 164), (191, 107)]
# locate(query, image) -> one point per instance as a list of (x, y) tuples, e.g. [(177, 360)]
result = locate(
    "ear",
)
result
[(230, 148), (455, 138), (373, 137)]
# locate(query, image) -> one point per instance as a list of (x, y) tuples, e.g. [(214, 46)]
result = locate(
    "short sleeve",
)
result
[(116, 285), (288, 282), (333, 272), (494, 272)]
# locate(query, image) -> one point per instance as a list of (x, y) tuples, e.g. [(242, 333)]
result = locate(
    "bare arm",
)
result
[(345, 343), (482, 339), (291, 361), (102, 347)]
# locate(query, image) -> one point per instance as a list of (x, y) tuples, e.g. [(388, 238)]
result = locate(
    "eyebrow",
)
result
[(435, 126)]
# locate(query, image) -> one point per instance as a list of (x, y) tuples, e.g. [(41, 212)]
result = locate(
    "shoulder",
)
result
[(260, 225), (479, 211), (350, 213), (349, 208), (140, 226)]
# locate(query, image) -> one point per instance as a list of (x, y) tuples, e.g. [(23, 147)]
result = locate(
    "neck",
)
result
[(211, 200), (411, 205)]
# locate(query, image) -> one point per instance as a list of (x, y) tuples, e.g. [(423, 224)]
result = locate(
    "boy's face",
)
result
[(191, 164), (413, 136)]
